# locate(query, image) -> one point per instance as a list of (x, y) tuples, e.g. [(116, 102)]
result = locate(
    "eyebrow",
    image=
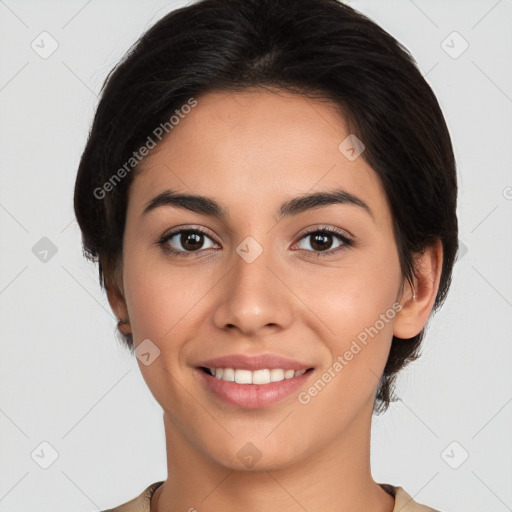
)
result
[(207, 206)]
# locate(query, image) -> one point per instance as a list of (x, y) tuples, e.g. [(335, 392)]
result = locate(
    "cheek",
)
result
[(150, 303), (160, 300), (160, 297), (356, 294), (359, 338), (357, 304)]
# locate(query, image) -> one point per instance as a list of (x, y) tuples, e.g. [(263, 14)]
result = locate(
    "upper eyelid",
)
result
[(192, 227), (334, 231)]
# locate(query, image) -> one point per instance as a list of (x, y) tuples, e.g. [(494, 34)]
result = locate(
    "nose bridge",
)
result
[(251, 276), (252, 261)]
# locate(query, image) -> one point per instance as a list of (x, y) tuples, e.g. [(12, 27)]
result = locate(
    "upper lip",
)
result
[(254, 362)]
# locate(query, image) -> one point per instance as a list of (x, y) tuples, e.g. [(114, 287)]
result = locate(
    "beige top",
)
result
[(403, 502)]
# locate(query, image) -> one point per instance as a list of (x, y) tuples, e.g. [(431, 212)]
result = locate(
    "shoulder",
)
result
[(138, 504), (404, 502)]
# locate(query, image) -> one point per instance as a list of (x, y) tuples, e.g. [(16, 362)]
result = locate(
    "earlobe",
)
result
[(417, 301), (123, 326), (117, 301)]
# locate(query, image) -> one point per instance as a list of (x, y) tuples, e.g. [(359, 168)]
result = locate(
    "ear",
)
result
[(115, 295), (417, 303)]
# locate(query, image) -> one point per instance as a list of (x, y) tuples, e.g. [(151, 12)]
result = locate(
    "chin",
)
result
[(242, 454)]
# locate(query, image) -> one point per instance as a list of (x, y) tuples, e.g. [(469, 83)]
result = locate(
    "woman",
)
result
[(269, 189)]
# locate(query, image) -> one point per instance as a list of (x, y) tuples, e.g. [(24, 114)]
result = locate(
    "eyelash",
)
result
[(347, 242)]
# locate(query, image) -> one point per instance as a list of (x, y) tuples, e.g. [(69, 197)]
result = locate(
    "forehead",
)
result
[(250, 149)]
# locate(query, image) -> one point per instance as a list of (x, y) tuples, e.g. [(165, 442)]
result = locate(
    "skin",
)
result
[(251, 151)]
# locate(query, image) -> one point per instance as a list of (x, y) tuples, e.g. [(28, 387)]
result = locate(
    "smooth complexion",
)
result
[(250, 152)]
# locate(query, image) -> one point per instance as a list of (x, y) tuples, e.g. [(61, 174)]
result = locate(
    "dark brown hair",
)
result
[(318, 48)]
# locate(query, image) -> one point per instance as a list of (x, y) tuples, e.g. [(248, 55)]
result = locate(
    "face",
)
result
[(317, 286)]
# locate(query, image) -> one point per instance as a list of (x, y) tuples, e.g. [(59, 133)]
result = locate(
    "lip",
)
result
[(252, 396), (255, 362)]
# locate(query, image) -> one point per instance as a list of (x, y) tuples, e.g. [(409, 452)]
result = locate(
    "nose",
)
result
[(253, 297)]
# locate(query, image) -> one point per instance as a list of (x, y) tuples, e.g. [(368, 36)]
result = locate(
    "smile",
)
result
[(252, 389)]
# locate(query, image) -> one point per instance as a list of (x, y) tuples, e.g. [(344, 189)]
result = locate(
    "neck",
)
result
[(335, 479)]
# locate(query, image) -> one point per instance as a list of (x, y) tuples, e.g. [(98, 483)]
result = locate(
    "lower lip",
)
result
[(253, 396)]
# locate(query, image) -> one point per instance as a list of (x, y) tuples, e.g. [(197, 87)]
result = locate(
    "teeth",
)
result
[(263, 376), (226, 374), (242, 376), (260, 377)]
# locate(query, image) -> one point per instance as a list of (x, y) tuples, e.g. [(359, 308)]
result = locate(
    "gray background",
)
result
[(65, 380)]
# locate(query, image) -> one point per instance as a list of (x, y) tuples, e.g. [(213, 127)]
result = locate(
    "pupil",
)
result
[(188, 236), (320, 237)]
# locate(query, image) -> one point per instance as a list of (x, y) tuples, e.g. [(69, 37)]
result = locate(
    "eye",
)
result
[(183, 242), (322, 241)]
